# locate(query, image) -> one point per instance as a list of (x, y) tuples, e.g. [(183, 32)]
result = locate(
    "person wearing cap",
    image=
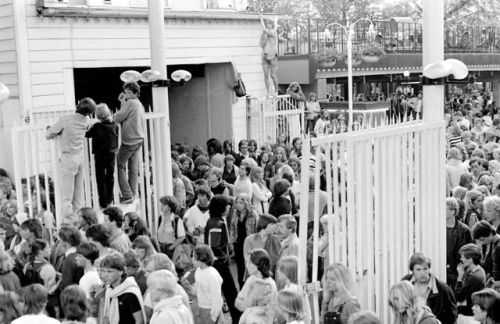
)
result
[(287, 231)]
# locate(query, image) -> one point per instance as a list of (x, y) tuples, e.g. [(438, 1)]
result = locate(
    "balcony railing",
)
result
[(310, 36)]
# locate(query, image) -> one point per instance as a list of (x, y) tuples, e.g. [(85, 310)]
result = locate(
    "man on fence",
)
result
[(131, 118), (72, 129)]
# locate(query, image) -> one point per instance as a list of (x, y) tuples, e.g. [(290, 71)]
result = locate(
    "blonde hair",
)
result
[(102, 111), (289, 267), (6, 263), (405, 292), (291, 304), (459, 192), (164, 280), (470, 197), (342, 276)]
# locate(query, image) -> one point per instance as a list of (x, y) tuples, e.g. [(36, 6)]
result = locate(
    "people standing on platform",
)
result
[(131, 117), (72, 129), (104, 135)]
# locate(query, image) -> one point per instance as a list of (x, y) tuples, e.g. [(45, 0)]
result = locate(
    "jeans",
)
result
[(105, 177), (71, 177), (128, 156)]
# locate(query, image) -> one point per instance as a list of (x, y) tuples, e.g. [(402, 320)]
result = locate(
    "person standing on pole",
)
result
[(131, 117)]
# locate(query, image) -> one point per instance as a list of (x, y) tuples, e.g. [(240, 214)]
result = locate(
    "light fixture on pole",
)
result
[(369, 56), (178, 78)]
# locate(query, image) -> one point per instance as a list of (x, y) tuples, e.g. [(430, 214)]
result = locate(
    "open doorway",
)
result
[(199, 110)]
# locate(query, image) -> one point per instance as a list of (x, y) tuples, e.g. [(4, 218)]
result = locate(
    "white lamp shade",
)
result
[(150, 76), (181, 75), (130, 76), (437, 70), (4, 93), (458, 69)]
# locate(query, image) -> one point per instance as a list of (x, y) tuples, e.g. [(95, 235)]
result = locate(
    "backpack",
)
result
[(239, 88)]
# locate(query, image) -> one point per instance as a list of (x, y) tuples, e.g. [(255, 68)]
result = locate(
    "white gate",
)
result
[(35, 165), (280, 115), (386, 192)]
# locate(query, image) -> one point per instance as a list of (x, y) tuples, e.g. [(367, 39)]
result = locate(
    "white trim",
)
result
[(69, 88), (22, 54)]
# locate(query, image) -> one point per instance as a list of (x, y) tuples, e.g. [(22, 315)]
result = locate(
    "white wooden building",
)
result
[(54, 52)]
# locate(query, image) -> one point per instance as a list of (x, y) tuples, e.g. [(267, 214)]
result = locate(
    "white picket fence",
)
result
[(386, 190), (36, 158), (271, 116)]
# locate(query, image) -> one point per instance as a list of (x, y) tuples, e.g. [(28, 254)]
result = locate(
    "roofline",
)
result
[(134, 13)]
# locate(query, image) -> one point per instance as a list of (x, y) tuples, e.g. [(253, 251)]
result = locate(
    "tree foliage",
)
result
[(462, 12)]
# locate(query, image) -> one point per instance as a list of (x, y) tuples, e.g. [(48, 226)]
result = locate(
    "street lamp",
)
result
[(178, 78), (349, 30)]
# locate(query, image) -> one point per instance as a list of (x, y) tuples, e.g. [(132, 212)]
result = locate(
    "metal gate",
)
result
[(386, 191)]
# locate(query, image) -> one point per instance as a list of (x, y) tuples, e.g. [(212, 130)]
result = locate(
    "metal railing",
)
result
[(310, 36)]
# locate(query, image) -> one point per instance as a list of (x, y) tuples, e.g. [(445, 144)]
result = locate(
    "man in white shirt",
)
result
[(87, 253), (197, 216)]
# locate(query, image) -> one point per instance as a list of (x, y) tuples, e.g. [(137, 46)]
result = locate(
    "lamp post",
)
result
[(349, 30)]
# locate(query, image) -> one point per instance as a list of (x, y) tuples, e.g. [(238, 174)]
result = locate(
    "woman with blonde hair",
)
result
[(287, 279), (408, 307), (8, 279), (339, 302), (291, 307), (474, 207), (144, 248), (261, 302), (243, 223), (260, 193)]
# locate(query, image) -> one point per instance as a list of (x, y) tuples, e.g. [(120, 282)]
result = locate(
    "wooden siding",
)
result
[(8, 60), (57, 44)]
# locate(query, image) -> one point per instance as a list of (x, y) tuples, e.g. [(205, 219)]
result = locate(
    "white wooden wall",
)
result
[(58, 45), (386, 188), (8, 61)]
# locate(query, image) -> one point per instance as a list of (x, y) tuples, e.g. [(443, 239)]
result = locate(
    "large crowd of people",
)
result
[(232, 207)]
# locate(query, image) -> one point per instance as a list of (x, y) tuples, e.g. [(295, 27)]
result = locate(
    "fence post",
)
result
[(304, 204)]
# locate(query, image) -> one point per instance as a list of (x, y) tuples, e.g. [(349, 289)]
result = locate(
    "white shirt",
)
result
[(194, 219), (89, 280), (38, 319), (242, 186), (242, 300), (208, 284)]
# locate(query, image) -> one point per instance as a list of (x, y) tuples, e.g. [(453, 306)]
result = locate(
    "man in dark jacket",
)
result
[(217, 237), (438, 296), (457, 235)]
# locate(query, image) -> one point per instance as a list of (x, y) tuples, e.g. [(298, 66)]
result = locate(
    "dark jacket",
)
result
[(104, 137), (279, 206), (458, 237), (217, 237), (472, 282), (442, 303), (71, 273)]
